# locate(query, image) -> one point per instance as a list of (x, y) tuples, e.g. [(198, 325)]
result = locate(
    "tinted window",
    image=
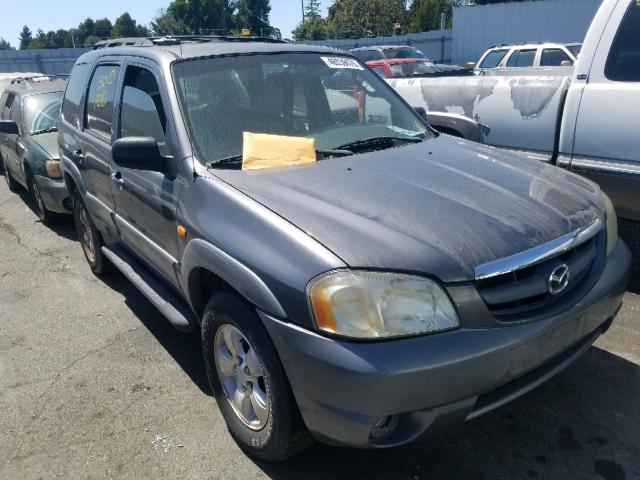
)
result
[(553, 57), (623, 64), (493, 58), (575, 49), (102, 92), (521, 58), (73, 95), (406, 52), (142, 113), (6, 108)]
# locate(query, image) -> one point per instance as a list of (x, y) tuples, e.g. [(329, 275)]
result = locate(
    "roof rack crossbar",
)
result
[(177, 40)]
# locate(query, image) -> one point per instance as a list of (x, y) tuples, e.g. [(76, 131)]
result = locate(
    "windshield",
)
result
[(335, 100), (575, 49), (41, 112), (413, 68), (403, 52)]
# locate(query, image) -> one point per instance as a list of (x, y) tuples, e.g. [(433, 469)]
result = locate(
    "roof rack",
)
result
[(36, 79), (177, 40)]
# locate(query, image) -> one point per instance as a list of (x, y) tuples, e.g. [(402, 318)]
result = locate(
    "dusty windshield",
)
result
[(41, 112), (335, 100)]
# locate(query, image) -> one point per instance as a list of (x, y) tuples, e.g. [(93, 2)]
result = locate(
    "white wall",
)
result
[(476, 28)]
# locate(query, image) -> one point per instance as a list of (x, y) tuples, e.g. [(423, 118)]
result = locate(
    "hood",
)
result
[(441, 207), (48, 142)]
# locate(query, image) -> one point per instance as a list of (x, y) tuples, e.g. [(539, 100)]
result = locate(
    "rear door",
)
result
[(606, 145), (146, 202), (95, 137), (10, 142)]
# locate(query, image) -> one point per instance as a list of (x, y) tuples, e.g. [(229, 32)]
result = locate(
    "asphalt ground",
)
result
[(95, 383)]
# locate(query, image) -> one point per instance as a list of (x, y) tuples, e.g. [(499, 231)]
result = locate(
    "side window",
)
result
[(142, 113), (102, 92), (623, 64), (522, 58), (73, 95), (6, 108), (553, 57), (493, 59)]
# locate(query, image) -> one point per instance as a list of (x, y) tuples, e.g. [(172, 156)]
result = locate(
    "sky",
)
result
[(56, 14)]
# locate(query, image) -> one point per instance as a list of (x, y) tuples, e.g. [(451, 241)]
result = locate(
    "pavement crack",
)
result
[(90, 353)]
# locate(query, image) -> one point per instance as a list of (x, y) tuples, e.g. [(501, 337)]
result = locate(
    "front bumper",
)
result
[(430, 382), (54, 194)]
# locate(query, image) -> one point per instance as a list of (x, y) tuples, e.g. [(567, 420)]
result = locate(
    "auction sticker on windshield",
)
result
[(342, 62)]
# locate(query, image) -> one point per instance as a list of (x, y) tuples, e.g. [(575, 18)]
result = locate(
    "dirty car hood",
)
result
[(48, 142), (441, 207)]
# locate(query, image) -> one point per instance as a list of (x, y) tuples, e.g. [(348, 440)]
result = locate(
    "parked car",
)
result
[(387, 52), (414, 67), (28, 142), (584, 122), (398, 282), (529, 55)]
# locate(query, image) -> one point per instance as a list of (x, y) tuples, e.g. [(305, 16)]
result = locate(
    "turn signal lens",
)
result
[(53, 169), (379, 305)]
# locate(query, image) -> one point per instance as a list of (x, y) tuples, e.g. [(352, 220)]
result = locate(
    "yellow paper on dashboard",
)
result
[(261, 150)]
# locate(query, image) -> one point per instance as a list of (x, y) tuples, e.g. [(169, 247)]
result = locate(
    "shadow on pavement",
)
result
[(582, 424), (63, 225), (184, 348)]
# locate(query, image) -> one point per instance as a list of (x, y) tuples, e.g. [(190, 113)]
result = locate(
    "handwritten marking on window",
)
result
[(103, 82)]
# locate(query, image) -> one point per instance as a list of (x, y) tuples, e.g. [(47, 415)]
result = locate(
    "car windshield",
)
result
[(333, 99), (575, 49), (41, 112), (403, 52), (413, 68)]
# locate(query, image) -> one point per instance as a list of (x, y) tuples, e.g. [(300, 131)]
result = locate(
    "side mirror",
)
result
[(138, 153), (566, 63), (422, 112), (9, 127)]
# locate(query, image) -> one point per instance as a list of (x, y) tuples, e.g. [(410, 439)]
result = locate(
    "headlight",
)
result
[(53, 168), (361, 304), (612, 222)]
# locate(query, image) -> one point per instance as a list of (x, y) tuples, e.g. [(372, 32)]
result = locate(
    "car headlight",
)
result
[(53, 168), (361, 304), (612, 222)]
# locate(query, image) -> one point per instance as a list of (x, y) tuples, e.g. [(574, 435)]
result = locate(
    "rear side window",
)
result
[(73, 95), (493, 58), (6, 107), (553, 57), (521, 58), (102, 92), (623, 64), (142, 113)]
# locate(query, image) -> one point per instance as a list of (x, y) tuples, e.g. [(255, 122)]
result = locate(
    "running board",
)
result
[(165, 301)]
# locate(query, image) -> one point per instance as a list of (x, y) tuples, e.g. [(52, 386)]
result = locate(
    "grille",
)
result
[(522, 294)]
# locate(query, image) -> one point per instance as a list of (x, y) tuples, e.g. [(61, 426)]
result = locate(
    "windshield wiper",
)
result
[(45, 130), (237, 159), (373, 143)]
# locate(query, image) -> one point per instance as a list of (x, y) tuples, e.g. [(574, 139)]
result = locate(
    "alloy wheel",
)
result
[(86, 234)]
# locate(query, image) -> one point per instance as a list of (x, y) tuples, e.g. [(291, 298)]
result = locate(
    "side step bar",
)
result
[(164, 300)]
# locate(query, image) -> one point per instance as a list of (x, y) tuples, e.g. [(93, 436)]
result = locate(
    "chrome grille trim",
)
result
[(538, 253)]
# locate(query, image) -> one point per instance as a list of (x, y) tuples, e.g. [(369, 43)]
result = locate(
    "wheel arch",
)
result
[(206, 269)]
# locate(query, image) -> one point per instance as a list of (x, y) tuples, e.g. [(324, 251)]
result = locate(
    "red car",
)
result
[(402, 67)]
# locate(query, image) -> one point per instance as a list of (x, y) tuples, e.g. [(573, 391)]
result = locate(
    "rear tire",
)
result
[(262, 415), (90, 239), (11, 183), (46, 216)]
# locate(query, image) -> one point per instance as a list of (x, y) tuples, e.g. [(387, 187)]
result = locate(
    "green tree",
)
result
[(166, 24), (197, 16), (362, 18), (91, 40), (25, 37), (4, 45), (313, 26), (125, 26), (425, 15), (254, 15)]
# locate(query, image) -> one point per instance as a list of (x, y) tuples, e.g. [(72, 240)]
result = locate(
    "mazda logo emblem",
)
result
[(559, 279)]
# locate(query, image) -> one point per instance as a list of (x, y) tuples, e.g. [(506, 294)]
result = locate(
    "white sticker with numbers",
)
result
[(342, 62)]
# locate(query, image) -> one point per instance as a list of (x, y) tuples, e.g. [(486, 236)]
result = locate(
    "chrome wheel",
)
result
[(37, 197), (242, 376), (86, 234)]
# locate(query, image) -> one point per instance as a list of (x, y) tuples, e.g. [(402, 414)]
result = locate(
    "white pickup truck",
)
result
[(588, 122)]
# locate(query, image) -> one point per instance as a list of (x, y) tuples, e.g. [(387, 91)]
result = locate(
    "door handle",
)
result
[(78, 157), (117, 178)]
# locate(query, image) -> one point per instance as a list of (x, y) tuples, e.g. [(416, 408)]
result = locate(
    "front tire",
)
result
[(46, 216), (248, 381), (11, 183), (89, 237)]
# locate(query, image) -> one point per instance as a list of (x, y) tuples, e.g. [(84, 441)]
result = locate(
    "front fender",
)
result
[(468, 128), (201, 254)]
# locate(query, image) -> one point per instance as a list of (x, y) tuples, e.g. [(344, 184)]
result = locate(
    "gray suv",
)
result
[(394, 283)]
